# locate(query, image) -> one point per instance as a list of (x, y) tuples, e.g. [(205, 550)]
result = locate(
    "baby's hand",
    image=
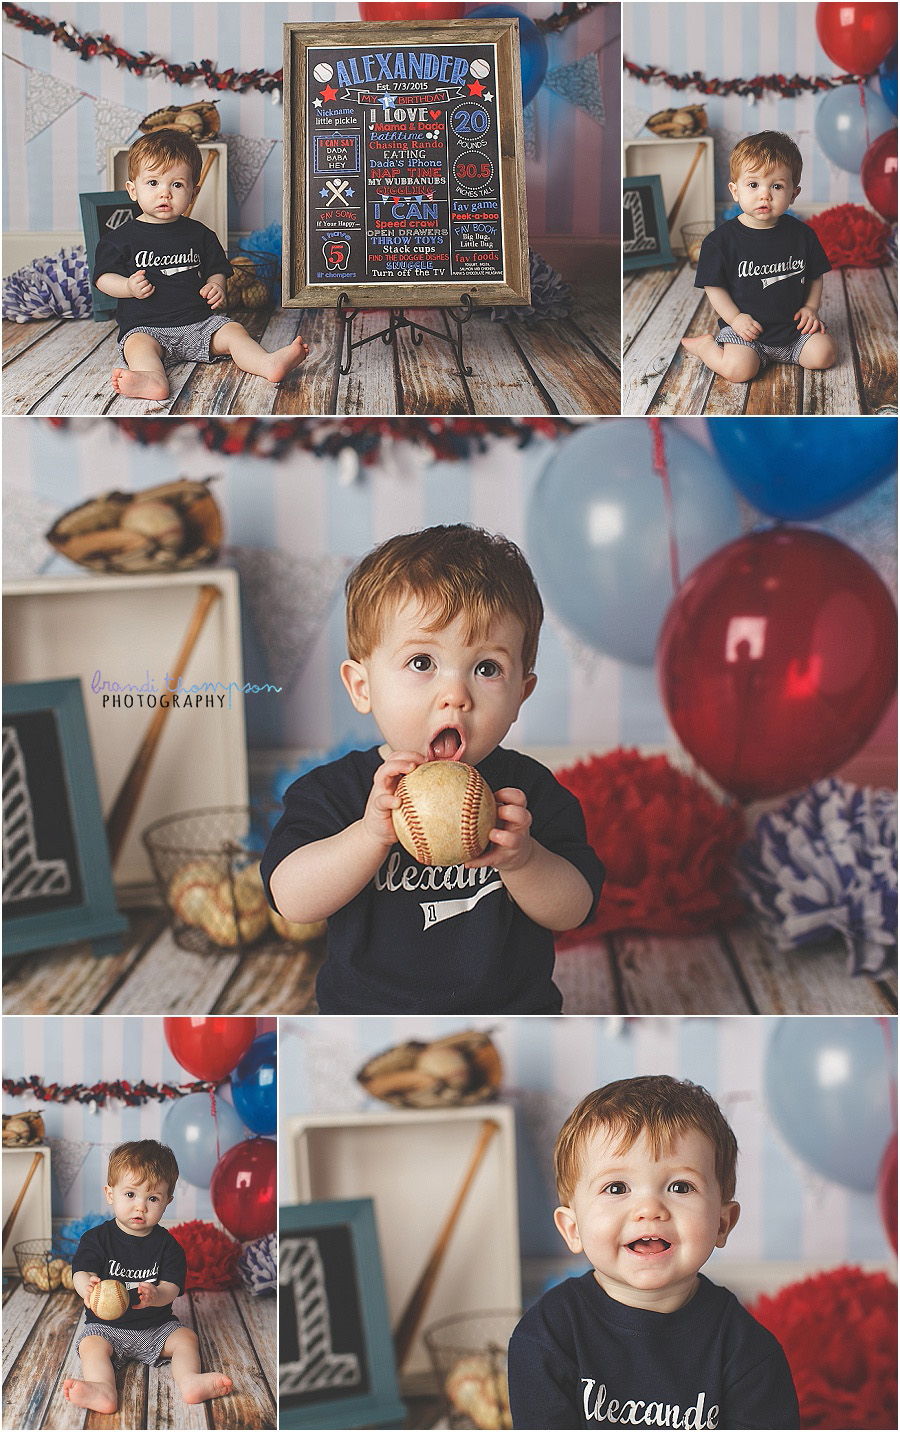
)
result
[(511, 843), (746, 327), (214, 295), (89, 1289), (148, 1296), (139, 285), (382, 800), (808, 320)]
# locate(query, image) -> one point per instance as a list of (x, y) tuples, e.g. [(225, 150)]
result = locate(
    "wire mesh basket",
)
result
[(468, 1354), (40, 1266)]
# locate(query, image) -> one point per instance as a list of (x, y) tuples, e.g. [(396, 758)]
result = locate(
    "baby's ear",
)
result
[(731, 1212), (565, 1221), (356, 679)]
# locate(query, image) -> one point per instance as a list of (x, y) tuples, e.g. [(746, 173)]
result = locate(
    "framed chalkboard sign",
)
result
[(335, 1356), (645, 232), (102, 214), (57, 886), (404, 171)]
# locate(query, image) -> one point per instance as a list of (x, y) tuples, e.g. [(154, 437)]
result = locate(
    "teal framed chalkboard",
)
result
[(57, 883)]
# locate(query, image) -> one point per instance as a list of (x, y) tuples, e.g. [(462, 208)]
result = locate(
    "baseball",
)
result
[(446, 813), (156, 520), (480, 69), (190, 889), (109, 1299), (322, 72)]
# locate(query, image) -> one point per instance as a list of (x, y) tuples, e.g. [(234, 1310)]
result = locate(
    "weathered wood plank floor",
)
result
[(661, 306), (237, 1334), (730, 971), (57, 368)]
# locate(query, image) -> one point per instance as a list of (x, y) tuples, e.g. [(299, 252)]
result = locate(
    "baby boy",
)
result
[(169, 273), (133, 1249), (645, 1171), (762, 271), (442, 634)]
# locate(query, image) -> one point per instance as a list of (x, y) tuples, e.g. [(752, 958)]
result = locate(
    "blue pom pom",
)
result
[(258, 1265), (263, 241), (58, 286), (70, 1234)]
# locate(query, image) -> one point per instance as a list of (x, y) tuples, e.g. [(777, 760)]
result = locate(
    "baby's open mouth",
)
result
[(446, 746), (649, 1245)]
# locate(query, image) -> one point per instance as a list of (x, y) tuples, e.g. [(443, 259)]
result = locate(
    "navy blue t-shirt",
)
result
[(578, 1358), (177, 259), (766, 271), (421, 939), (156, 1257)]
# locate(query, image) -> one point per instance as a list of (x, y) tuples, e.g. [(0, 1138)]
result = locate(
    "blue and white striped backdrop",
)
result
[(582, 699), (727, 40), (573, 183), (76, 1050), (787, 1212)]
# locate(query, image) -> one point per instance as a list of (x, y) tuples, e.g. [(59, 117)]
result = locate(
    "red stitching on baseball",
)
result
[(414, 825), (471, 803)]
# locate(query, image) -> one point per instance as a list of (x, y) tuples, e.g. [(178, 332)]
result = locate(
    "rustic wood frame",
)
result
[(516, 287), (381, 1405)]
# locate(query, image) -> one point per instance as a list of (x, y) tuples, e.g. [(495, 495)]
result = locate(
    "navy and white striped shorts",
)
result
[(132, 1344), (187, 344), (765, 352)]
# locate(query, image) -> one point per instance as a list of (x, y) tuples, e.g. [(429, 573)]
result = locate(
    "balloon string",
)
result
[(889, 1046), (215, 1118), (661, 468), (862, 100)]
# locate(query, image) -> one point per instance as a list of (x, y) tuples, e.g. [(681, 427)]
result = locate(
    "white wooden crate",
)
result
[(671, 159), (128, 629), (411, 1163), (33, 1218), (211, 207)]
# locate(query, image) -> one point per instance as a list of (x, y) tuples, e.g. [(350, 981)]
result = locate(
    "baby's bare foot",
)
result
[(139, 385), (98, 1396), (693, 345), (201, 1386), (285, 360)]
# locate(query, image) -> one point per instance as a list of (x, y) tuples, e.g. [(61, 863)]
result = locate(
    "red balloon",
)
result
[(856, 36), (412, 10), (242, 1189), (209, 1048), (777, 659), (879, 175), (886, 1188)]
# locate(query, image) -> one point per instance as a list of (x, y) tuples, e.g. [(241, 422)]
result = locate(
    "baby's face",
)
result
[(163, 193), (647, 1225), (437, 693), (764, 194), (138, 1203)]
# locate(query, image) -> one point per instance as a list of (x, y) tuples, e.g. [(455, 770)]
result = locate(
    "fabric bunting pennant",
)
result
[(529, 129), (46, 98), (289, 599), (246, 158), (114, 124), (579, 83)]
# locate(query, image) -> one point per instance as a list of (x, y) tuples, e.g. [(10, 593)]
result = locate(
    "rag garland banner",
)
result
[(96, 1096), (754, 89)]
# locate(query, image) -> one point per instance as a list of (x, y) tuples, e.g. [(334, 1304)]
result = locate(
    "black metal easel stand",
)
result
[(399, 319)]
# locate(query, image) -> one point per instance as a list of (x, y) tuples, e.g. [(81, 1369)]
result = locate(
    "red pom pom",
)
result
[(211, 1255), (852, 236), (667, 844), (839, 1334)]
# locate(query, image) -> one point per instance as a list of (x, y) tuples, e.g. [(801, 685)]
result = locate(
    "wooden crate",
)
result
[(128, 629), (33, 1218), (211, 207), (671, 160), (411, 1162)]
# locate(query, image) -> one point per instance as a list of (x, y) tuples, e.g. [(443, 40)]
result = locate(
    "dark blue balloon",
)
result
[(254, 1085), (532, 45), (797, 468), (887, 80)]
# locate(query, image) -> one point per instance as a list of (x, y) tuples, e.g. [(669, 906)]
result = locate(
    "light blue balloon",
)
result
[(827, 1088), (597, 534), (841, 124), (190, 1133)]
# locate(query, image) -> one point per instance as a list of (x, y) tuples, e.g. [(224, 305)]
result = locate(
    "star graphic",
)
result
[(323, 193), (487, 95), (328, 93), (349, 192), (388, 100), (317, 102), (476, 87)]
